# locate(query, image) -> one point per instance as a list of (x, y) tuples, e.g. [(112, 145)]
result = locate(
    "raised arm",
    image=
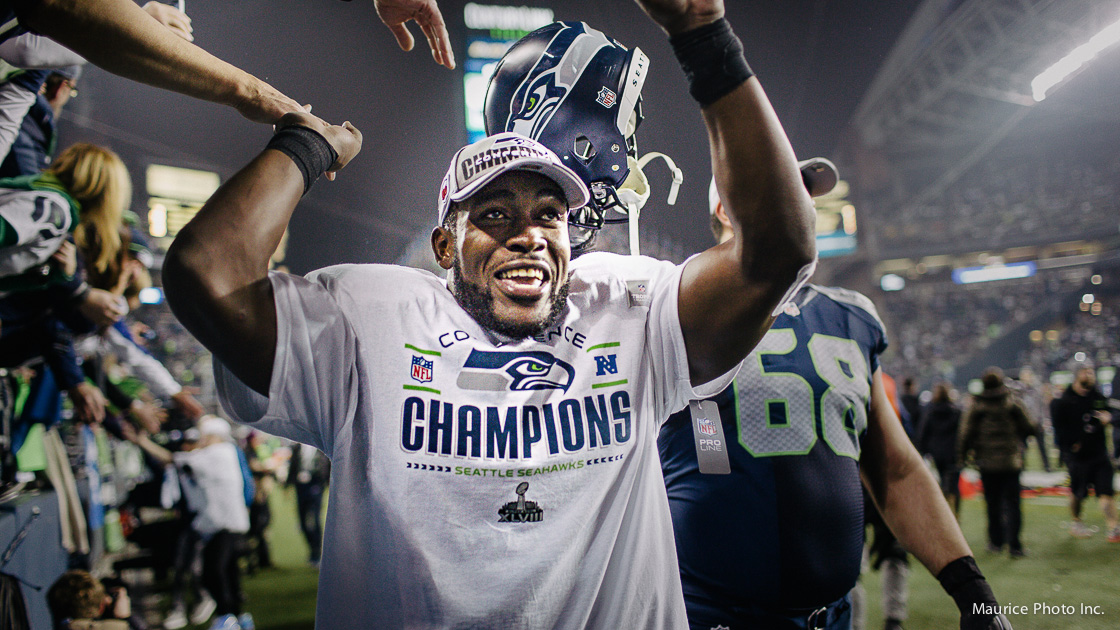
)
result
[(216, 271), (729, 292), (120, 37)]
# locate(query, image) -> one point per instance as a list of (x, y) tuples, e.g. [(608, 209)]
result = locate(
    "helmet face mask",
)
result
[(578, 92)]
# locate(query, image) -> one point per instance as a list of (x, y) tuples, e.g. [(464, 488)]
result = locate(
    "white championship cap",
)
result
[(480, 163), (820, 177)]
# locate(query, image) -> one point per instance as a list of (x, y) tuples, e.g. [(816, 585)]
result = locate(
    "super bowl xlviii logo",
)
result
[(421, 369), (521, 511), (706, 426), (514, 371), (606, 97)]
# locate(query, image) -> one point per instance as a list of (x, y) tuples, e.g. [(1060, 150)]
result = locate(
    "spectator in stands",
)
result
[(214, 486), (33, 146), (85, 192), (1080, 417), (993, 430), (940, 424), (31, 101), (78, 601)]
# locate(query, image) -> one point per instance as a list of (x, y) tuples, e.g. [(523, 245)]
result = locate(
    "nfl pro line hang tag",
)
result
[(638, 291), (707, 434)]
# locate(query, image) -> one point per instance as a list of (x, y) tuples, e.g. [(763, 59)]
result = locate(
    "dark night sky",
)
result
[(815, 59)]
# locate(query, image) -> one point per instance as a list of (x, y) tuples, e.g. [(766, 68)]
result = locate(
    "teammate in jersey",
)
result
[(493, 436), (776, 542)]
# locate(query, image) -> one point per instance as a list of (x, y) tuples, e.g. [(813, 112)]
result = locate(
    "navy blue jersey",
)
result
[(9, 24), (784, 530)]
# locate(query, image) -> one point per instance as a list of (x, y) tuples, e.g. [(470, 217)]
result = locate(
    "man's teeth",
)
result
[(532, 274)]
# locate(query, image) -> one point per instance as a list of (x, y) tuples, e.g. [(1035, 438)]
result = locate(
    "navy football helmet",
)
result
[(578, 92)]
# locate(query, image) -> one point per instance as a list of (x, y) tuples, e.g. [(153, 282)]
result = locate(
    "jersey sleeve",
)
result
[(315, 382), (668, 355), (863, 310)]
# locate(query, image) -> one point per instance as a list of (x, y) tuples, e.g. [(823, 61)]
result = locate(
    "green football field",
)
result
[(1059, 579)]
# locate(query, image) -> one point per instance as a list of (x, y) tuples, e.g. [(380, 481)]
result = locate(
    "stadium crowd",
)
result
[(936, 325), (1014, 198), (100, 390)]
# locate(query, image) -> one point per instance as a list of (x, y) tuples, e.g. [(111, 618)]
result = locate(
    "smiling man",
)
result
[(493, 435), (518, 289)]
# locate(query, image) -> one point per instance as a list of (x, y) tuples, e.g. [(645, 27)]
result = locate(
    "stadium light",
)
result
[(1073, 62), (892, 282), (1011, 271)]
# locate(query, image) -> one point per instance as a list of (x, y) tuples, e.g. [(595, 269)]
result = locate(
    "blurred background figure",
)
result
[(310, 473), (258, 454), (940, 425), (217, 490), (992, 433), (79, 601), (1080, 417)]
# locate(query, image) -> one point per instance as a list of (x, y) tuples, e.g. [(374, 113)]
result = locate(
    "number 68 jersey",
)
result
[(783, 530)]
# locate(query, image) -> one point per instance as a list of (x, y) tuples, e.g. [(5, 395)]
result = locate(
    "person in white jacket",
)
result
[(210, 472)]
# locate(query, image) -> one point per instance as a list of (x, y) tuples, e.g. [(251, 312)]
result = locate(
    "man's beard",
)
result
[(478, 302)]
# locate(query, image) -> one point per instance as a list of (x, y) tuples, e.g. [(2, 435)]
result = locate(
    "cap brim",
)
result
[(820, 175), (573, 187)]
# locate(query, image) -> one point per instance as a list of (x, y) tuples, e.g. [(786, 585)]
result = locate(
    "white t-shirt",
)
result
[(477, 484), (214, 488)]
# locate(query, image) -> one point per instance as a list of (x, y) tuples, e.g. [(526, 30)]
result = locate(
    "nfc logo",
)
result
[(606, 365)]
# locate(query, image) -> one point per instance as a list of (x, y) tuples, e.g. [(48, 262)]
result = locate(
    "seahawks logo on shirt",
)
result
[(515, 371)]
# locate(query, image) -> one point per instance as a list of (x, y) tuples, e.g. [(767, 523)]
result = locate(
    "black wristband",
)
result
[(310, 151), (964, 582), (712, 59)]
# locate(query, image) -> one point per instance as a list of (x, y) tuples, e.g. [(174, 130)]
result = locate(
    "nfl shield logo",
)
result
[(421, 369), (706, 426), (606, 98)]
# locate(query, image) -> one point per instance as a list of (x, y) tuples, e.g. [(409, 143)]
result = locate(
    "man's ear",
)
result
[(443, 245), (721, 214)]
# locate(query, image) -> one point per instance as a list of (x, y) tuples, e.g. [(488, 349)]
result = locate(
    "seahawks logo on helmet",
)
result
[(554, 77), (578, 92), (515, 371)]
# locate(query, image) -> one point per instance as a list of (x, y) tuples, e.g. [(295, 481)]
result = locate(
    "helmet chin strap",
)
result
[(634, 192)]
